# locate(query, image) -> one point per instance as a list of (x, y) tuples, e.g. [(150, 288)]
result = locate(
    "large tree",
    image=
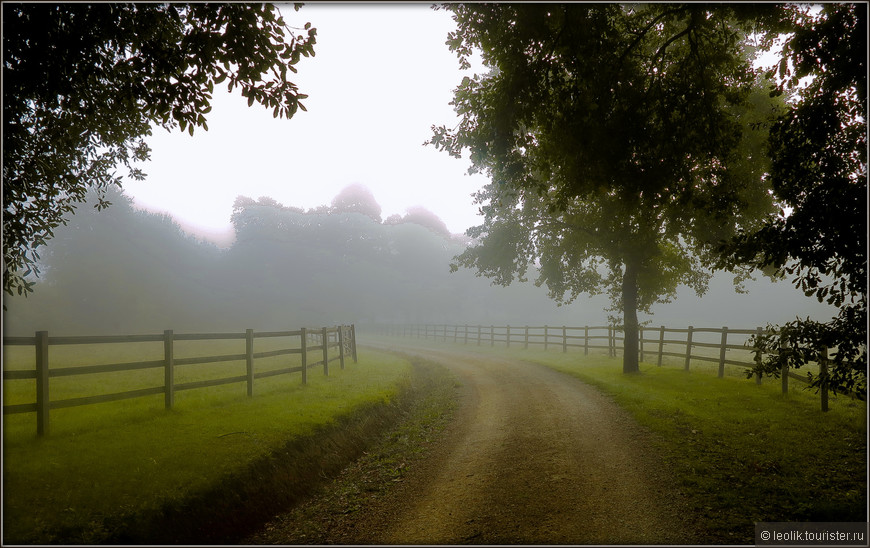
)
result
[(819, 175), (621, 142), (84, 84)]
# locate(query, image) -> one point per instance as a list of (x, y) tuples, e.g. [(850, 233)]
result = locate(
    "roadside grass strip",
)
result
[(107, 462), (742, 452)]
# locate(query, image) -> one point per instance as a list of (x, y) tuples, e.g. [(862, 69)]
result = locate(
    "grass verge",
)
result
[(744, 453), (331, 514), (203, 471)]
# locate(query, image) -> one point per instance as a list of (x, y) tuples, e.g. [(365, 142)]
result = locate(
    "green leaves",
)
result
[(607, 128), (819, 172), (615, 140), (85, 82)]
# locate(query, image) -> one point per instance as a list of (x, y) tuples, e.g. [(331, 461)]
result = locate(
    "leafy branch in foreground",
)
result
[(84, 84), (819, 172)]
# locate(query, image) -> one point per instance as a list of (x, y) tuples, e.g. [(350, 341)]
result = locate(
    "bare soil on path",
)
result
[(532, 456)]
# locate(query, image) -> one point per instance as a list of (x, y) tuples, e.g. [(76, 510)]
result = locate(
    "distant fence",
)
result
[(609, 338), (311, 343)]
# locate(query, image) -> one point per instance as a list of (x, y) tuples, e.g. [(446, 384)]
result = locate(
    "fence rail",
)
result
[(591, 337), (312, 343)]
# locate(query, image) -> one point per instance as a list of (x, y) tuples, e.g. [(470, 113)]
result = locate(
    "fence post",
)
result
[(640, 341), (661, 344), (304, 353), (784, 369), (585, 340), (341, 346), (466, 334), (823, 373), (611, 342), (722, 351), (689, 347), (249, 360), (526, 343), (42, 395), (545, 338), (508, 336), (491, 335), (564, 339), (758, 358), (168, 369), (324, 337), (353, 341)]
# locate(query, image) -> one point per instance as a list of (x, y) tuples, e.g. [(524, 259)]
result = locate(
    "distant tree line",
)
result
[(124, 270)]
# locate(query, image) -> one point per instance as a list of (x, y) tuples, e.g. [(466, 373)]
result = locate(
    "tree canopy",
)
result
[(819, 174), (621, 143), (357, 198), (85, 84)]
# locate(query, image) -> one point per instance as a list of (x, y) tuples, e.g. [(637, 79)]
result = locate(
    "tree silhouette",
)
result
[(85, 84), (615, 138), (819, 172)]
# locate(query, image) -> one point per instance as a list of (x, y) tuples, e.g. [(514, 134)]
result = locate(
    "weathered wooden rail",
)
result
[(603, 337), (312, 343)]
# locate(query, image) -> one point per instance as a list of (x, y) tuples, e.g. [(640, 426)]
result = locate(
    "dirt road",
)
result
[(532, 457)]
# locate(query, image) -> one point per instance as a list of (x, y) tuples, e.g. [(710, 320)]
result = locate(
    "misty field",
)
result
[(106, 462)]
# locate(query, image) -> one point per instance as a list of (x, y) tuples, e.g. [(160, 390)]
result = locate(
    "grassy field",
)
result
[(742, 452), (106, 461)]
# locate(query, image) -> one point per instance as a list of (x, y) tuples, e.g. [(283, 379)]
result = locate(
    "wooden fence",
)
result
[(656, 342), (311, 343)]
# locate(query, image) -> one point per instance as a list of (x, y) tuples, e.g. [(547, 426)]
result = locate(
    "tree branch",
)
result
[(644, 31)]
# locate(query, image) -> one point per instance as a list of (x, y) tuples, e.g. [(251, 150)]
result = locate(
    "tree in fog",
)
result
[(425, 218), (121, 270), (621, 142), (84, 84), (357, 198), (819, 171)]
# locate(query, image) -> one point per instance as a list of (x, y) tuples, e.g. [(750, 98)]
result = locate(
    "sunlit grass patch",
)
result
[(118, 458)]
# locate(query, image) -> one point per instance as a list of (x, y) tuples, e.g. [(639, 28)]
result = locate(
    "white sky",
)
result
[(381, 77)]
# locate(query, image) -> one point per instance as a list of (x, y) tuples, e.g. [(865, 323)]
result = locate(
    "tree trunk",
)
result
[(629, 314)]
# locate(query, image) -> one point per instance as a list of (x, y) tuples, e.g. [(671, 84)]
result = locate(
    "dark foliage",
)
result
[(85, 84), (819, 172), (620, 141)]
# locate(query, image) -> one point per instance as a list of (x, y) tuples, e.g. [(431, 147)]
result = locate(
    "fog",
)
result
[(129, 271)]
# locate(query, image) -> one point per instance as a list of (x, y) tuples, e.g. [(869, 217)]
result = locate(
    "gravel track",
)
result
[(532, 456)]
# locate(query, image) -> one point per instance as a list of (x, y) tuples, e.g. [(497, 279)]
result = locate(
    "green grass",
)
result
[(322, 518), (122, 458), (742, 452)]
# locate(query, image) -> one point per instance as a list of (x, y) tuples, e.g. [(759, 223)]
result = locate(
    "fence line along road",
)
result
[(318, 340), (606, 338)]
